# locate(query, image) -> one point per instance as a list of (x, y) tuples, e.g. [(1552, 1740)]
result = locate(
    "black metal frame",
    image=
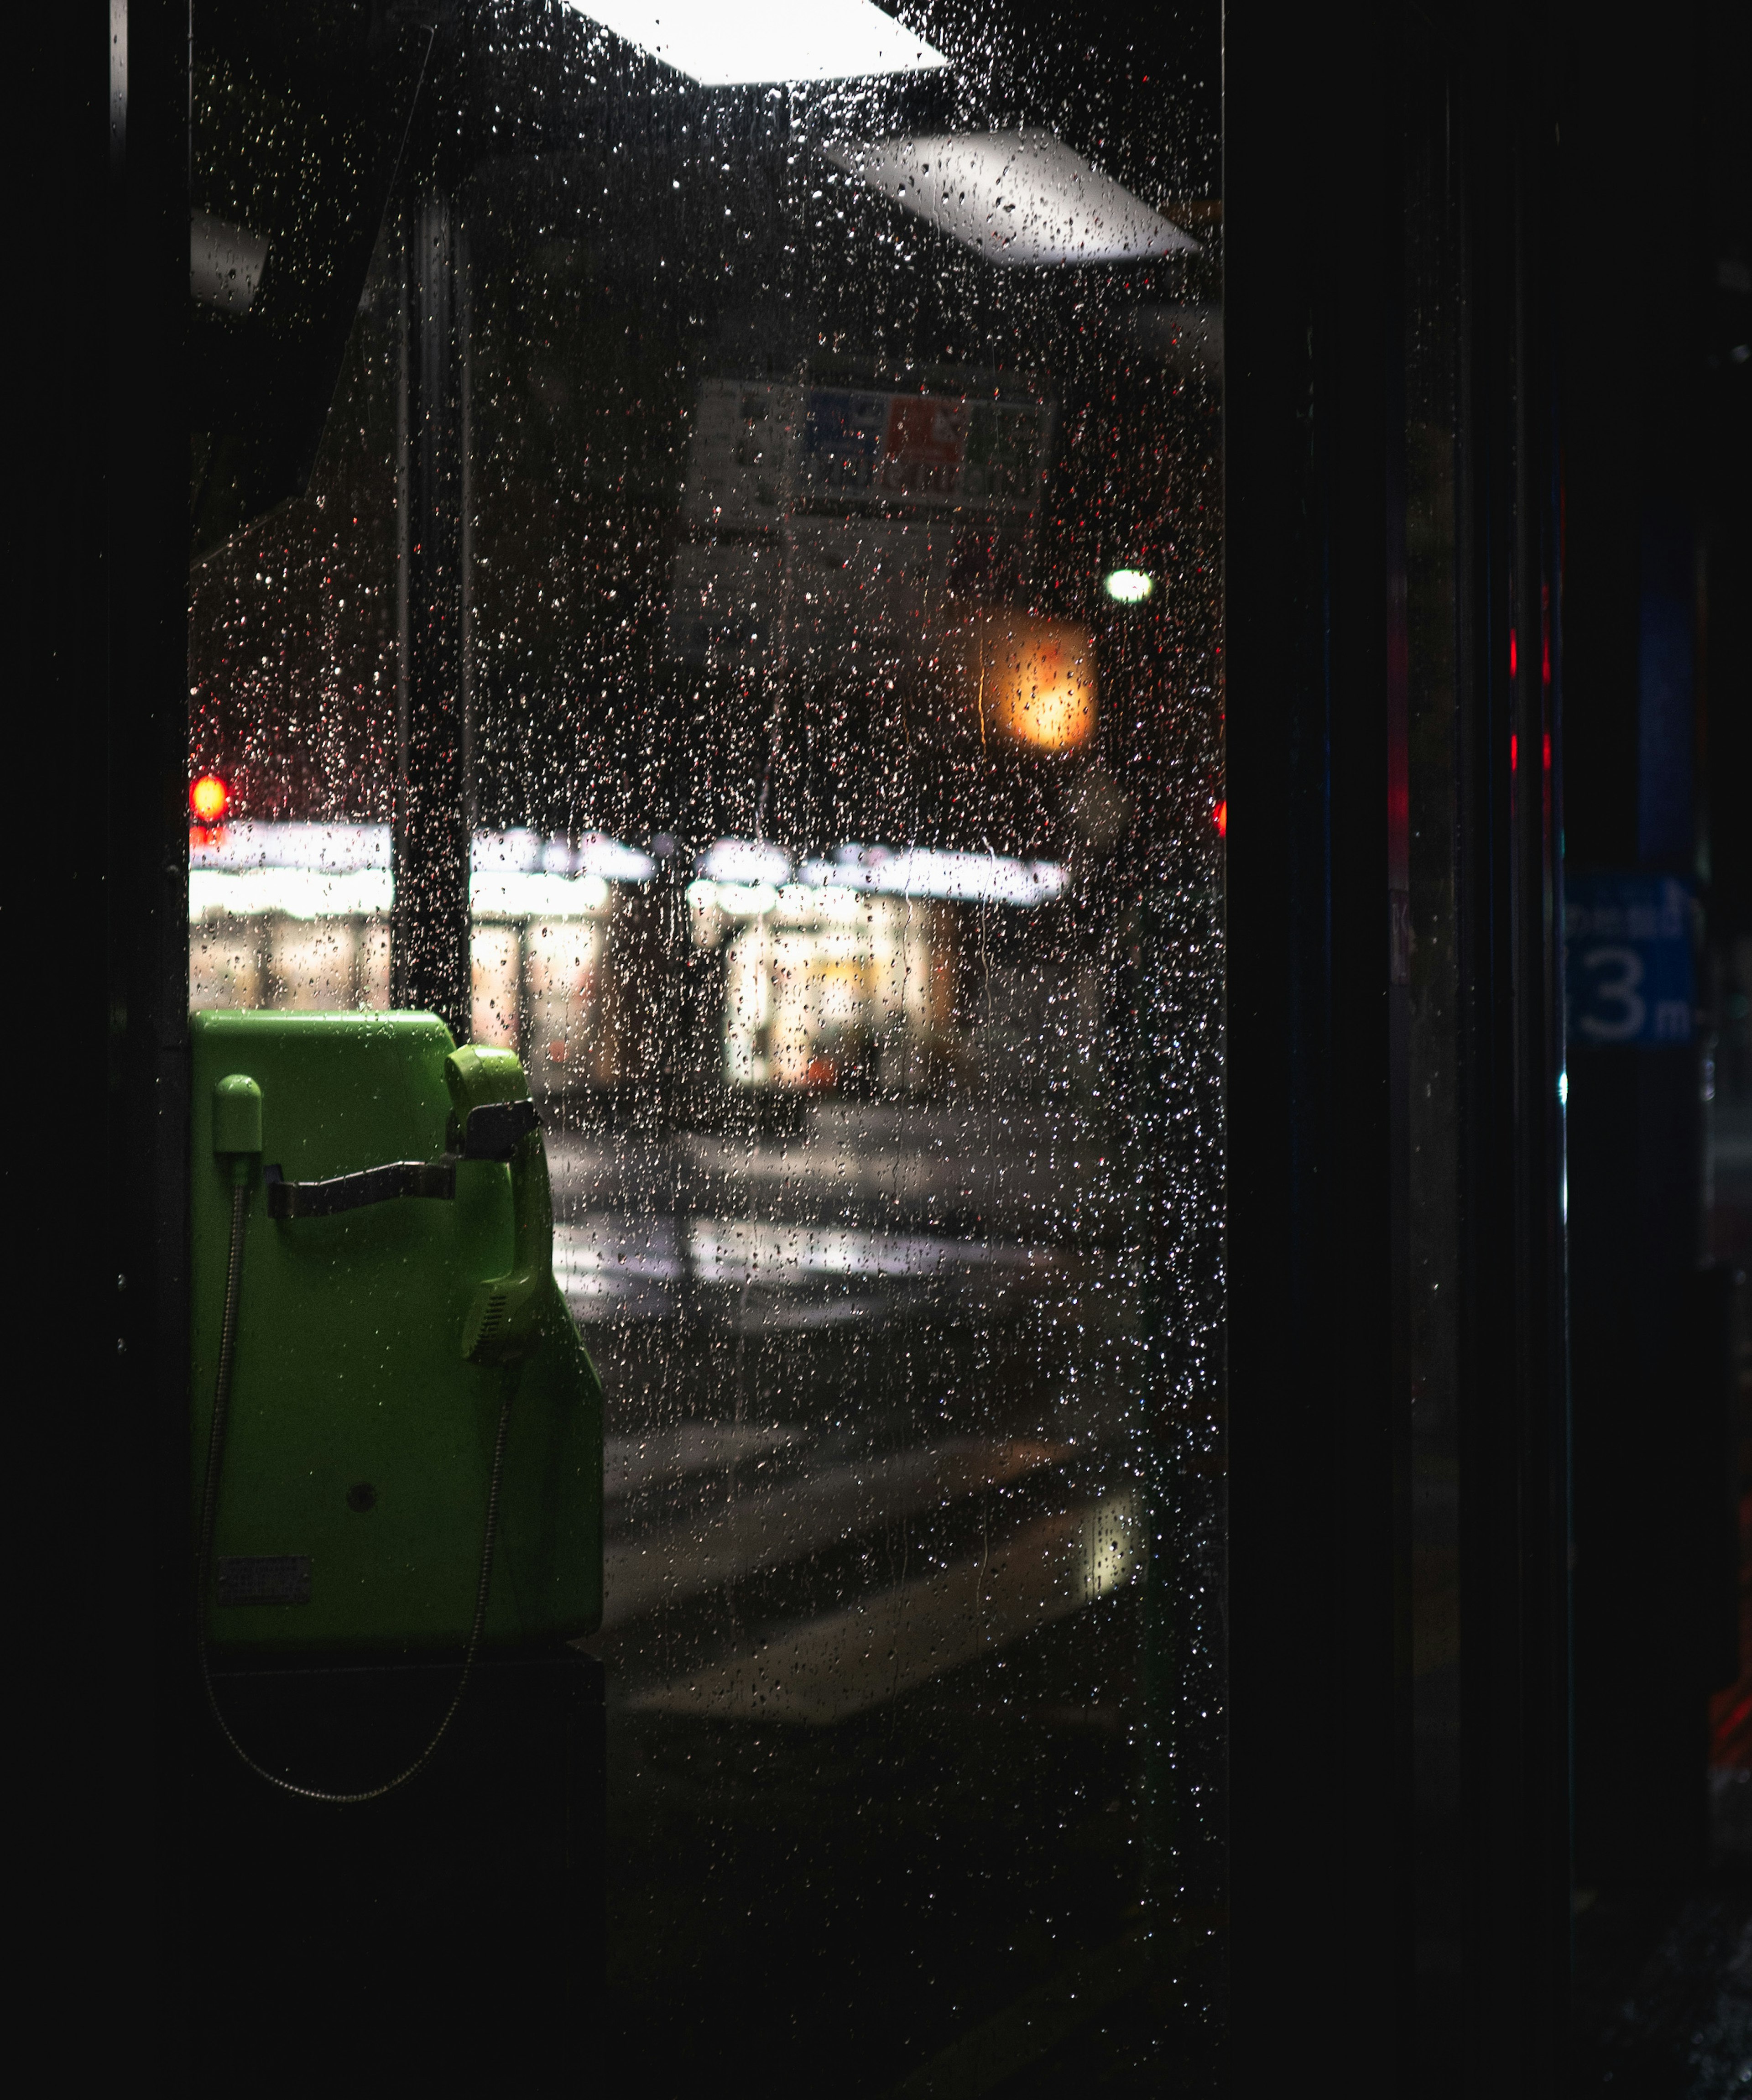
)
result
[(1323, 1842)]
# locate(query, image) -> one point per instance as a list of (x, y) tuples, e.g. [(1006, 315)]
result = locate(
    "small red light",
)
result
[(209, 798), (1220, 818), (1514, 655), (1514, 752)]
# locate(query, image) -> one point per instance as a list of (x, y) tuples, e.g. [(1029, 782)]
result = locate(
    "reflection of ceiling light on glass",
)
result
[(225, 263), (722, 46), (1015, 196), (1128, 586)]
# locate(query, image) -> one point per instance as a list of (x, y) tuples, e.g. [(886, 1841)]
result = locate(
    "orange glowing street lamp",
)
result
[(1033, 679)]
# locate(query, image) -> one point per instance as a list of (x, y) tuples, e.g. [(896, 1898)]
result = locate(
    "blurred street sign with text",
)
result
[(1627, 954)]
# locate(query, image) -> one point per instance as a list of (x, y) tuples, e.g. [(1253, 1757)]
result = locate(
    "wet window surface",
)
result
[(838, 709)]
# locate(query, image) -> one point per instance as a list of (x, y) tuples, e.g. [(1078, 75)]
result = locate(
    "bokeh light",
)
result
[(209, 799)]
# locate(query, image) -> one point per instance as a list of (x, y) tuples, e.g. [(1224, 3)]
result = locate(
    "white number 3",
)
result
[(1614, 974)]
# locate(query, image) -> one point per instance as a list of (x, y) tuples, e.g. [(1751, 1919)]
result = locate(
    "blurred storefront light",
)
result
[(744, 861), (956, 877), (827, 892), (1128, 586), (745, 900), (302, 870), (789, 40), (822, 961)]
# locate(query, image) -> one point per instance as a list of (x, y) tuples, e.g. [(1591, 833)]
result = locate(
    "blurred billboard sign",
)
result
[(815, 515)]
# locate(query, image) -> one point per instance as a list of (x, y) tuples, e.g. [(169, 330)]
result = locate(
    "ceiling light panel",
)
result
[(1016, 197), (727, 45)]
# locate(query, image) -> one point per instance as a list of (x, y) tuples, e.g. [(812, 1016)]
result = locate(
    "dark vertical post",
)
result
[(429, 937), (465, 302), (1539, 1893), (100, 478), (1319, 1078), (1314, 715), (1635, 1124), (142, 1419), (1513, 1452)]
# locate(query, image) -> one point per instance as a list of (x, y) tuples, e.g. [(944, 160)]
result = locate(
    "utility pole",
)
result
[(429, 937)]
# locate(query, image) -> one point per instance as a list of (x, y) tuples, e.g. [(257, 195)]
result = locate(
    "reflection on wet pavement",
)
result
[(767, 1524), (828, 1668), (866, 1395), (785, 1275), (998, 1168), (666, 1457)]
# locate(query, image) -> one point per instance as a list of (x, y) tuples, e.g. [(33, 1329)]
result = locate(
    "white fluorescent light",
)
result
[(1017, 197), (1128, 586), (745, 900), (338, 849), (727, 46), (918, 871), (744, 861), (597, 855), (291, 893), (514, 893), (528, 852), (336, 870), (506, 852)]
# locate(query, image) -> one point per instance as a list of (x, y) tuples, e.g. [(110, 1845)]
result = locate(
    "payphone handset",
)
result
[(491, 1108), (397, 1432)]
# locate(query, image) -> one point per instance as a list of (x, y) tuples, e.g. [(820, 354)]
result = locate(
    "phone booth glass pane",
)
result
[(768, 509)]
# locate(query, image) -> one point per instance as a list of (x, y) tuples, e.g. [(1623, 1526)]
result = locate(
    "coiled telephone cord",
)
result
[(209, 1497)]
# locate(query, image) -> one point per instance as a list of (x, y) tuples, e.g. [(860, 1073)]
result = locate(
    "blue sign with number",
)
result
[(1627, 961)]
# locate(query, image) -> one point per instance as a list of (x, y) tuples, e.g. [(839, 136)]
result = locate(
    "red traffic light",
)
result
[(209, 799)]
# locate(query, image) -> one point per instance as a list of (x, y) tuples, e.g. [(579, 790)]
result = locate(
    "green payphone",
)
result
[(397, 1433)]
